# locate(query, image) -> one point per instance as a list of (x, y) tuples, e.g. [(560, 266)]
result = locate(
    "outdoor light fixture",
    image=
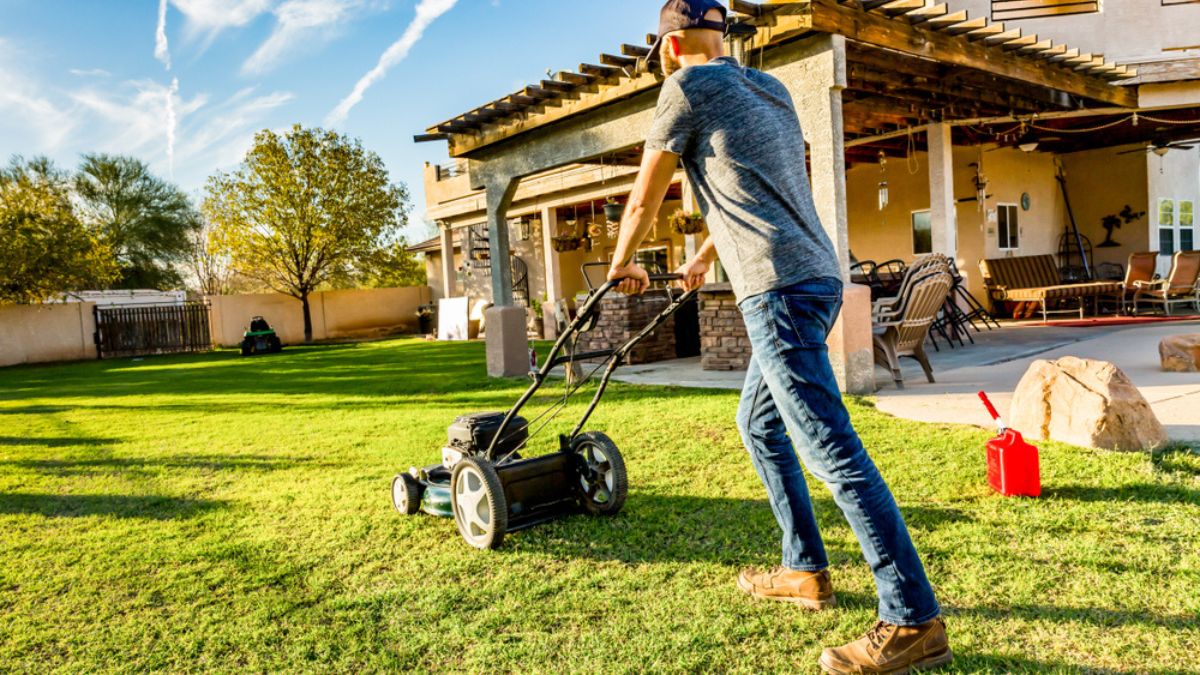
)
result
[(521, 229), (1027, 142)]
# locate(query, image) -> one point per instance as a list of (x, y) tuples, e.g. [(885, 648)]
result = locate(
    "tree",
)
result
[(45, 250), (146, 221), (393, 267), (304, 208), (208, 265)]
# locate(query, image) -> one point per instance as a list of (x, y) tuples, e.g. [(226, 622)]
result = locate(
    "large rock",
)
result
[(1180, 353), (1084, 402)]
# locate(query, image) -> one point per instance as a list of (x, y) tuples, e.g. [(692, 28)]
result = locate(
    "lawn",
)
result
[(216, 513)]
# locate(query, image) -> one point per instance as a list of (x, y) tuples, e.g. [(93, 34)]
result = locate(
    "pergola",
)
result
[(863, 74)]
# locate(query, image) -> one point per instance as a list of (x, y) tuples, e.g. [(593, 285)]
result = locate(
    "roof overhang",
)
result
[(910, 62)]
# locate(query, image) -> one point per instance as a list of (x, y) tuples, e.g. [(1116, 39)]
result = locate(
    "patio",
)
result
[(995, 364)]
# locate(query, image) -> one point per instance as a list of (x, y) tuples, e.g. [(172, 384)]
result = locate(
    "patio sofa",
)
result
[(1035, 278)]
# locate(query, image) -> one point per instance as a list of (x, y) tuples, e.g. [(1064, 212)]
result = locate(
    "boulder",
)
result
[(1180, 353), (1084, 402)]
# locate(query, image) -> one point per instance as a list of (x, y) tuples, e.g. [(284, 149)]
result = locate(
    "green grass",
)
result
[(215, 513)]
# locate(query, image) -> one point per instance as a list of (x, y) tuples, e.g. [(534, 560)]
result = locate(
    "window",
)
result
[(922, 232), (1004, 10), (655, 260), (1187, 226), (1008, 228), (1166, 227)]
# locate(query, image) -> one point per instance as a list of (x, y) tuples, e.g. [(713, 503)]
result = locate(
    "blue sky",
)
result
[(185, 84)]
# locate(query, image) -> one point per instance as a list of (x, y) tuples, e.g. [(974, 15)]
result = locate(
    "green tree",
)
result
[(303, 209), (393, 267), (45, 250), (145, 220)]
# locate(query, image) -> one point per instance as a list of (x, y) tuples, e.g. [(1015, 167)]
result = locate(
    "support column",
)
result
[(942, 211), (507, 341), (553, 271), (816, 77), (448, 271)]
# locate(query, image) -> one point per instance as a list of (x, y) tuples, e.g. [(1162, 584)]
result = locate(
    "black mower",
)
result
[(483, 481), (260, 338)]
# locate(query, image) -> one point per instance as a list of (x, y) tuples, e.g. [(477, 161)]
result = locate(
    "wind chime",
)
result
[(883, 183)]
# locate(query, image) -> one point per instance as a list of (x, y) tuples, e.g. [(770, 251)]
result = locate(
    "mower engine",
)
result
[(470, 435)]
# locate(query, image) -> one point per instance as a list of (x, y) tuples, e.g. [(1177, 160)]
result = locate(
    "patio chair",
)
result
[(1140, 269), (883, 308), (905, 334), (1181, 287)]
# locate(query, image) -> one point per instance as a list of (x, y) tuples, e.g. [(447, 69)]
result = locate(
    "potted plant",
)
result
[(613, 210), (686, 223), (425, 319), (568, 239), (536, 305)]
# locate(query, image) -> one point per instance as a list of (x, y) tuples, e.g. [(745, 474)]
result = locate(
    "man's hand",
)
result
[(693, 273), (634, 280)]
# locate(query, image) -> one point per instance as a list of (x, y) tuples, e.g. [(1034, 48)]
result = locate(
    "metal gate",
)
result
[(162, 329)]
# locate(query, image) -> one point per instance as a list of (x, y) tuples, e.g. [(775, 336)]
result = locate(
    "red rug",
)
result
[(1115, 321)]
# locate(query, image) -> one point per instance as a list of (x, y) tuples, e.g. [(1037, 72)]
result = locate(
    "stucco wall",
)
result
[(1100, 182), (335, 314), (43, 333)]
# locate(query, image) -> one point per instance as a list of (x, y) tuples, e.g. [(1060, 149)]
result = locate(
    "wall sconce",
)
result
[(521, 229)]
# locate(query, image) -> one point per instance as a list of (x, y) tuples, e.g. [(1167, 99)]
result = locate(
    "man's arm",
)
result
[(649, 190)]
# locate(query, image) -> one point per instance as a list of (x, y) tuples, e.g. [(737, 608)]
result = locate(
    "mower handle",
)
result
[(654, 278)]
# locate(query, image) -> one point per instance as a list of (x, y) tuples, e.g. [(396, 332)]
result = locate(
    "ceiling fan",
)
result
[(1161, 146)]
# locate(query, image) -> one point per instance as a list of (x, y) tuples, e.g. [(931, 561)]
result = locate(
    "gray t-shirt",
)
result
[(736, 132)]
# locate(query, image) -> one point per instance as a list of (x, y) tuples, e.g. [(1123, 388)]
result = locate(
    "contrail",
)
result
[(161, 50), (171, 122), (427, 12)]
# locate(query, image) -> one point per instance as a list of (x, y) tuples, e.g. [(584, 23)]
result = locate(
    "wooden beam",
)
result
[(868, 28), (603, 72), (618, 61), (426, 138)]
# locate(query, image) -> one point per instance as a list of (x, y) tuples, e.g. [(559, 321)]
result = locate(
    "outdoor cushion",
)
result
[(1035, 278)]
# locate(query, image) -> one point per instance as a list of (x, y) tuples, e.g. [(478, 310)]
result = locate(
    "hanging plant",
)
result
[(595, 229), (613, 210), (565, 242), (682, 222)]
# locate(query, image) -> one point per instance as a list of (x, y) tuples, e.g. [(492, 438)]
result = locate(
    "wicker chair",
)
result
[(1140, 269), (905, 333), (1181, 287)]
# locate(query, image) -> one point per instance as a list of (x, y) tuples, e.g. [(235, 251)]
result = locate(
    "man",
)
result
[(736, 131)]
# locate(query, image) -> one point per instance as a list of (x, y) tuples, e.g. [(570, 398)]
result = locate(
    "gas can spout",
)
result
[(992, 410)]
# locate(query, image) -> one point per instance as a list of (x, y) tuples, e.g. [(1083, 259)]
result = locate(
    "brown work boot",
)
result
[(811, 590), (888, 648)]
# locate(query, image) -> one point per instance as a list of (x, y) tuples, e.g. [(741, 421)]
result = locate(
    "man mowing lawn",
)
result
[(736, 131)]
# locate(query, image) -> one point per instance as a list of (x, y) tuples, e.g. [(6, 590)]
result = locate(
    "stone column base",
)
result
[(507, 342), (851, 350)]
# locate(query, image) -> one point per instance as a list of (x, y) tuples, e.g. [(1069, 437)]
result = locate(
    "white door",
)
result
[(1176, 230)]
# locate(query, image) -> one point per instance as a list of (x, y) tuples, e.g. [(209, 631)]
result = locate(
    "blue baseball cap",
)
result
[(683, 15)]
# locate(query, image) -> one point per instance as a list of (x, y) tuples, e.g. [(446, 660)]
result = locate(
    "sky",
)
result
[(185, 84)]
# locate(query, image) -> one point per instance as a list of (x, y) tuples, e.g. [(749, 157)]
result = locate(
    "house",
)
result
[(975, 128)]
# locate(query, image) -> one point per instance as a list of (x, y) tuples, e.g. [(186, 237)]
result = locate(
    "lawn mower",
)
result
[(260, 338), (485, 483)]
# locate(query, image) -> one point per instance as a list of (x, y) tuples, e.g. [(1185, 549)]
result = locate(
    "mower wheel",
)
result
[(247, 350), (406, 494), (477, 497), (603, 482)]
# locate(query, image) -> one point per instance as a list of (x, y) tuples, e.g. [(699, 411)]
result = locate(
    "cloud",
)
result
[(162, 50), (299, 22), (428, 11), (213, 16), (91, 72), (25, 107), (172, 121)]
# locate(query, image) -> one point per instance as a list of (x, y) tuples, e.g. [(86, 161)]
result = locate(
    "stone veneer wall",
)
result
[(723, 341), (622, 317)]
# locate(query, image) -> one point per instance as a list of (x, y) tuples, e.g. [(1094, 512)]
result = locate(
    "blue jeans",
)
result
[(791, 398)]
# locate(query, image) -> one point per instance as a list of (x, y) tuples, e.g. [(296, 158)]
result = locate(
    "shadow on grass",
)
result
[(965, 662), (202, 462), (148, 507), (1095, 616), (1178, 459), (1137, 492), (53, 442), (672, 528)]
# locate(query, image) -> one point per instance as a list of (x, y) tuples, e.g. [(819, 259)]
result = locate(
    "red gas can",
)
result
[(1012, 463)]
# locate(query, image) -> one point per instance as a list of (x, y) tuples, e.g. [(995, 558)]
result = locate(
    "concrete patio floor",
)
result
[(995, 364)]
